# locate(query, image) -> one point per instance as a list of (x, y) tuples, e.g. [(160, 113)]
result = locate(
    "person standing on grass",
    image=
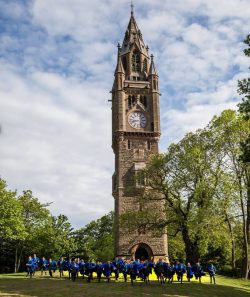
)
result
[(159, 269), (181, 269), (171, 272), (82, 268), (61, 266), (30, 267), (99, 270), (133, 271), (116, 267), (190, 272), (211, 270), (36, 261), (125, 270), (198, 271), (74, 267), (44, 265), (107, 269), (50, 267), (68, 264), (91, 270)]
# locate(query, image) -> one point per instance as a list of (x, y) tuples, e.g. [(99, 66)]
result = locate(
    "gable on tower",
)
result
[(134, 53)]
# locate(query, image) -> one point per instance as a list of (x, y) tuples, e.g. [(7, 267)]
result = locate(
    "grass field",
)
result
[(21, 286)]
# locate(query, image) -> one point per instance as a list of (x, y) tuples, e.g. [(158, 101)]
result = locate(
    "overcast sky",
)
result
[(57, 61)]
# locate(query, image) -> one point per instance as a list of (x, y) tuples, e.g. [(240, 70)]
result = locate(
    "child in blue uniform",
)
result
[(61, 266), (211, 270), (133, 271), (190, 272), (180, 270), (52, 267), (198, 271), (44, 265), (92, 266), (30, 267), (99, 270), (145, 271), (36, 261), (82, 268), (159, 270), (107, 269), (171, 272), (125, 270), (74, 268)]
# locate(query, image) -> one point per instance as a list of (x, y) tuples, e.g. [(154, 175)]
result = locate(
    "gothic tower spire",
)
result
[(135, 137)]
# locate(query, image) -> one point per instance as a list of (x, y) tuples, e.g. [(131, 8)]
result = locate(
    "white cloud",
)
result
[(57, 63), (56, 142)]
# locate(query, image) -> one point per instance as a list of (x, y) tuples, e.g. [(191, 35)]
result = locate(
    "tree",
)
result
[(244, 108), (12, 227), (55, 238), (95, 240), (244, 86), (187, 175), (199, 179), (11, 224), (35, 216), (232, 130)]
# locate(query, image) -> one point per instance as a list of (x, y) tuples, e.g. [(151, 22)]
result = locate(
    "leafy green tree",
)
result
[(95, 240), (244, 108), (244, 86), (12, 227), (205, 199), (55, 238), (187, 175), (232, 130), (11, 224), (35, 216)]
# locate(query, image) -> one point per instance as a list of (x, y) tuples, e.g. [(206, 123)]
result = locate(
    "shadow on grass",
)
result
[(44, 286)]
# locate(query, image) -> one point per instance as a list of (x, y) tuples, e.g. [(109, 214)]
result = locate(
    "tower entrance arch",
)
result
[(141, 251)]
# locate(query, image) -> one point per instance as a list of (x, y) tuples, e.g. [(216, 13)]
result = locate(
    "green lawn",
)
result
[(20, 285)]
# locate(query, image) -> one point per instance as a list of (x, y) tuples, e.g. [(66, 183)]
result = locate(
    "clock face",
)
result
[(137, 120)]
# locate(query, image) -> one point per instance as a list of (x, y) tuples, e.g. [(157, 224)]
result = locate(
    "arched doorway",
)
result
[(141, 254), (141, 251)]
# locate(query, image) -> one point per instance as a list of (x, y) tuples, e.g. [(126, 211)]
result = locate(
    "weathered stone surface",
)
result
[(135, 89)]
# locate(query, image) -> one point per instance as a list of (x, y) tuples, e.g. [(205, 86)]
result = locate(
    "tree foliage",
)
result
[(95, 240), (27, 227), (203, 182), (244, 86)]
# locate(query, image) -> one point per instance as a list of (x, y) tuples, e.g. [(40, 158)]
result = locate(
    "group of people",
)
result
[(142, 269)]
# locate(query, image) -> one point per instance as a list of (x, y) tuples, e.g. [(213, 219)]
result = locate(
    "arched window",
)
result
[(154, 84), (135, 62), (145, 66), (131, 101), (124, 63), (149, 145), (143, 100)]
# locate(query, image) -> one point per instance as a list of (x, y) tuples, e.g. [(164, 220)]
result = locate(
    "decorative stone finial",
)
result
[(132, 8)]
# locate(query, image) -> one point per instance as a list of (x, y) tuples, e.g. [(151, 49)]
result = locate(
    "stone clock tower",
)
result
[(135, 137)]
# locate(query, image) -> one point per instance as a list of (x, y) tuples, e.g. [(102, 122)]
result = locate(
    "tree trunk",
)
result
[(248, 213), (16, 259), (19, 259), (191, 249), (245, 270), (232, 241)]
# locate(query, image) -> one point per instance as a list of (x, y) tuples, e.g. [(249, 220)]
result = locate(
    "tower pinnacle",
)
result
[(132, 8)]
